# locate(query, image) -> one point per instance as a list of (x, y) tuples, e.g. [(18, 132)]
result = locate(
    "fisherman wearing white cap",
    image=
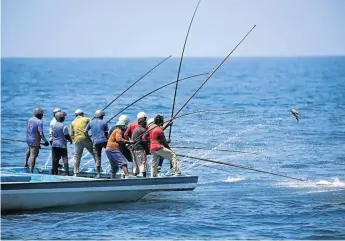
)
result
[(129, 132), (116, 159), (53, 122), (122, 146), (81, 141), (99, 130)]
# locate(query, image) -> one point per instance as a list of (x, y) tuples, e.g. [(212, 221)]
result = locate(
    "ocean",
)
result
[(228, 203)]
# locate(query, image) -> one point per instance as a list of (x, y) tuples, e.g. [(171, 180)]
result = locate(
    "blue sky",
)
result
[(148, 28)]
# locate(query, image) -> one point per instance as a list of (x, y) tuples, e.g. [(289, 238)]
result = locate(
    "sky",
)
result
[(152, 28)]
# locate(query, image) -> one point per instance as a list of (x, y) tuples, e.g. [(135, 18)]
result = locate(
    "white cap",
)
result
[(78, 112), (124, 118), (56, 110), (150, 121), (141, 115)]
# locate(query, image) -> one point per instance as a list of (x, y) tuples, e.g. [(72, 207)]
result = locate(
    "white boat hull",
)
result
[(16, 196)]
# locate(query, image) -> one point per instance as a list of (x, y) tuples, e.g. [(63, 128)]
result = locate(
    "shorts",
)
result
[(116, 159), (140, 161), (34, 150)]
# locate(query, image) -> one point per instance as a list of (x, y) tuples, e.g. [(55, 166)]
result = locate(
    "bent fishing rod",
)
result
[(239, 166), (213, 72), (136, 82), (189, 77), (211, 149), (180, 65)]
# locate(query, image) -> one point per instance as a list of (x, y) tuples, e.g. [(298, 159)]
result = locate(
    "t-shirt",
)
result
[(130, 130), (59, 132), (114, 138), (139, 144), (77, 128), (33, 128), (52, 122), (157, 139), (98, 128)]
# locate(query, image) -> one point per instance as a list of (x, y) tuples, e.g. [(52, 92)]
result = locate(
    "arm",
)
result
[(65, 132), (106, 130), (40, 131), (86, 130), (128, 133), (72, 131), (118, 137)]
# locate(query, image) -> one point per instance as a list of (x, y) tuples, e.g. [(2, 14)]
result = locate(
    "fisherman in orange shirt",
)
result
[(116, 159)]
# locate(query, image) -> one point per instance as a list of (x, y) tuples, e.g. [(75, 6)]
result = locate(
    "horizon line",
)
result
[(148, 57)]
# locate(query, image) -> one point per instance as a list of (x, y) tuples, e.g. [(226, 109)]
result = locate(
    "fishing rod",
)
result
[(14, 140), (239, 166), (136, 82), (179, 69), (9, 139), (214, 71), (211, 149), (189, 77)]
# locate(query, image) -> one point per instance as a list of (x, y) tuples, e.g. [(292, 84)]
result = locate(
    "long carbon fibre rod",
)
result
[(136, 82), (211, 149), (239, 166), (189, 77), (179, 68), (214, 71)]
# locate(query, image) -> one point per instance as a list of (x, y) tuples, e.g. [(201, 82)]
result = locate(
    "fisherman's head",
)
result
[(159, 120), (124, 118), (79, 112), (56, 110), (142, 122), (150, 121), (38, 113), (141, 115), (99, 114), (121, 125), (60, 116)]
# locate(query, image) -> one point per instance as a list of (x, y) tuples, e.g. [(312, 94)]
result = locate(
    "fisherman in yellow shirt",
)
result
[(81, 140)]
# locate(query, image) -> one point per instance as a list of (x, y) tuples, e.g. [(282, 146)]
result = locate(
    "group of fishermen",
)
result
[(123, 143)]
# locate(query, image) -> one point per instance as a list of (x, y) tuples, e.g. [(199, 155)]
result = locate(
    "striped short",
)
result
[(116, 159), (140, 162)]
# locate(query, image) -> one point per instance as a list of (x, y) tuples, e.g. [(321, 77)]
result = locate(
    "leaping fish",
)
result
[(295, 114)]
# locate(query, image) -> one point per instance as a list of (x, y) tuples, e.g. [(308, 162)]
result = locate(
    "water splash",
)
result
[(234, 179)]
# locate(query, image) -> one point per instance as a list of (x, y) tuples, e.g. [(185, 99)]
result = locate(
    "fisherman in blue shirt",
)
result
[(60, 136), (99, 135)]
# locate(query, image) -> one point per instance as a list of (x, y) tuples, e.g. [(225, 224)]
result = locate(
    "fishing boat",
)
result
[(23, 191)]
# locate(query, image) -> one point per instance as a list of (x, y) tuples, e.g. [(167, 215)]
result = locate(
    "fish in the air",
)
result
[(295, 113)]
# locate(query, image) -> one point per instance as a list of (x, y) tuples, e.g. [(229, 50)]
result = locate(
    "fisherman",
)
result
[(129, 132), (99, 131), (52, 122), (161, 159), (60, 136), (112, 151), (122, 146), (140, 148), (159, 147), (34, 134), (81, 140)]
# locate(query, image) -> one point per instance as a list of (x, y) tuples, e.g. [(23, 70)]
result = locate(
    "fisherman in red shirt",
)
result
[(159, 147), (130, 130)]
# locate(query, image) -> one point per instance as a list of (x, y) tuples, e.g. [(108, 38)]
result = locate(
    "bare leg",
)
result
[(27, 156), (33, 162), (144, 174), (113, 175), (125, 170)]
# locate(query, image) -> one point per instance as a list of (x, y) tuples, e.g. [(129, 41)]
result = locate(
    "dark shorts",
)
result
[(34, 150), (126, 152), (116, 159), (59, 153)]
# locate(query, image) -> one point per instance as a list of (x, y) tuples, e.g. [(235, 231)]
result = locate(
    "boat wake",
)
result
[(234, 179), (321, 184)]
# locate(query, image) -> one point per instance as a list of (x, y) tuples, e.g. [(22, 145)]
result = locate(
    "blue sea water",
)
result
[(228, 203)]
